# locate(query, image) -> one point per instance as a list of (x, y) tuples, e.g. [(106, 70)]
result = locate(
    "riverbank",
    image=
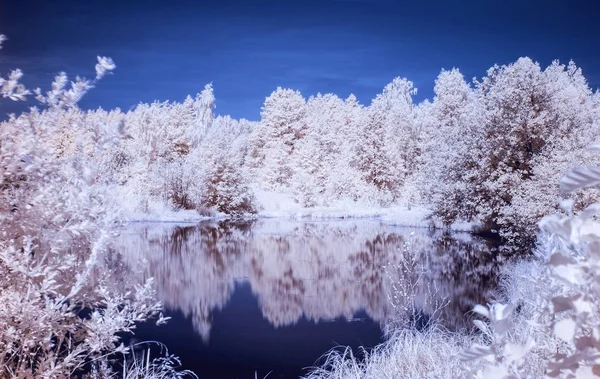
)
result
[(279, 205)]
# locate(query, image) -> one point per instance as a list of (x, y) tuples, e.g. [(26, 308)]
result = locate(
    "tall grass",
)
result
[(436, 352), (141, 365), (406, 354)]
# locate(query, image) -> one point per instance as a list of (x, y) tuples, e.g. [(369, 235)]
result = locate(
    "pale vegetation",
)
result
[(63, 303), (544, 323), (489, 152)]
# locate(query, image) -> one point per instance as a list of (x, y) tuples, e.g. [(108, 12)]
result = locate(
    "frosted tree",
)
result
[(346, 180), (571, 127), (225, 182), (200, 111), (316, 155), (524, 123), (450, 131), (388, 142), (197, 120), (516, 112), (281, 126), (403, 135)]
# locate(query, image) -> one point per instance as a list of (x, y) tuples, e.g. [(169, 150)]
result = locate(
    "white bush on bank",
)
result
[(567, 302), (521, 129), (171, 155)]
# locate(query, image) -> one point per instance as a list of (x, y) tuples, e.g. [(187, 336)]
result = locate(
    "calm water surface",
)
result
[(274, 295)]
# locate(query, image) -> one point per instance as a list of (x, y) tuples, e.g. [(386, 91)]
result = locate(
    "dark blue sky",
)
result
[(165, 50)]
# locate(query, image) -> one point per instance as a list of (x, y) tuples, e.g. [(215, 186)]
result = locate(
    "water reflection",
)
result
[(317, 270)]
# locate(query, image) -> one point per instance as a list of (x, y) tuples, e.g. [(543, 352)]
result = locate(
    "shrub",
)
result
[(63, 307), (567, 302)]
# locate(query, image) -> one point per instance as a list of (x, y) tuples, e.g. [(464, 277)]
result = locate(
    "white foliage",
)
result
[(496, 152), (104, 65), (565, 299), (10, 87), (488, 153), (54, 258)]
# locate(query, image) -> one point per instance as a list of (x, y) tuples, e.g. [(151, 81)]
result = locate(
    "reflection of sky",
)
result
[(168, 49)]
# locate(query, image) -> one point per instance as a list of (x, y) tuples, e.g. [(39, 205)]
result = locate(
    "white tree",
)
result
[(518, 129), (316, 154), (282, 125), (225, 182), (450, 127), (572, 126), (387, 150)]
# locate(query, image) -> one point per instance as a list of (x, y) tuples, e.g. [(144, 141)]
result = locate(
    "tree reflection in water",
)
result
[(316, 270)]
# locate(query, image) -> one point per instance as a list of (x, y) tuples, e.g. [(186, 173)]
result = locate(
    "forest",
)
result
[(500, 154), (489, 152)]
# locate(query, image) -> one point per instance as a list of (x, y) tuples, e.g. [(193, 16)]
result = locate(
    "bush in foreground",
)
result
[(64, 304)]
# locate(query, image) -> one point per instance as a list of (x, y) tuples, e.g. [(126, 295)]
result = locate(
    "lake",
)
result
[(272, 296)]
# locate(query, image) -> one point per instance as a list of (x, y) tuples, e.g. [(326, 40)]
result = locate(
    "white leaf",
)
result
[(583, 306), (570, 273), (483, 327), (501, 311), (482, 310), (104, 64), (516, 352), (580, 177), (495, 372), (590, 211), (475, 352), (585, 372), (567, 205), (565, 329)]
